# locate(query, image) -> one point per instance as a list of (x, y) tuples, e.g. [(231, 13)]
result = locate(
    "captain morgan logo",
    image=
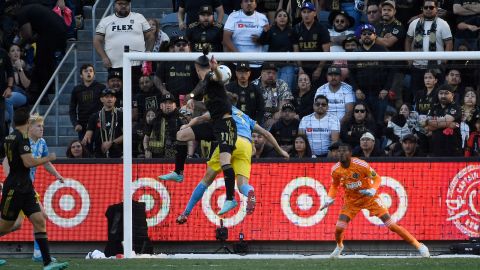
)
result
[(463, 201)]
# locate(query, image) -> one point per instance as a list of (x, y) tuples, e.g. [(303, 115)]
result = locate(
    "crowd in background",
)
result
[(381, 108)]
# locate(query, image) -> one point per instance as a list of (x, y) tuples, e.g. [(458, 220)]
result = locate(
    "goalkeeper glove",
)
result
[(368, 192), (328, 201)]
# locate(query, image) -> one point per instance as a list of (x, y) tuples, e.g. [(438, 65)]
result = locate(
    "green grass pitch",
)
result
[(266, 264)]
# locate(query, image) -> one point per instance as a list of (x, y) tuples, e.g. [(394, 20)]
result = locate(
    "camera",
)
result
[(221, 233)]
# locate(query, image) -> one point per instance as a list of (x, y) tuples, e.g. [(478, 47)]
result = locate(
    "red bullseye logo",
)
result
[(463, 201), (67, 204), (393, 197), (215, 195), (156, 198), (301, 201)]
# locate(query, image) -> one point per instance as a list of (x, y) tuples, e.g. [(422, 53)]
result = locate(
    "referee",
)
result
[(18, 193)]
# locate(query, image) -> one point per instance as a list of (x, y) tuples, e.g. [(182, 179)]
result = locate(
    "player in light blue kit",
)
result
[(241, 163), (39, 149)]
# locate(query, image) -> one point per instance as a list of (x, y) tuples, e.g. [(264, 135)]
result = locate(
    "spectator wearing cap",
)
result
[(278, 37), (105, 128), (467, 14), (444, 122), (359, 122), (391, 35), (85, 99), (428, 33), (205, 32), (321, 128), (250, 96), (115, 82), (350, 43), (341, 23), (160, 137), (239, 38), (301, 147), (409, 147), (275, 93), (365, 74), (176, 77), (310, 36), (368, 147), (303, 96), (293, 8), (192, 8), (374, 14), (148, 98), (340, 94), (123, 28), (286, 128)]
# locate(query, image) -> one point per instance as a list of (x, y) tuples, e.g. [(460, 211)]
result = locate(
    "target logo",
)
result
[(301, 201), (213, 193), (398, 200), (67, 204), (156, 198), (463, 201)]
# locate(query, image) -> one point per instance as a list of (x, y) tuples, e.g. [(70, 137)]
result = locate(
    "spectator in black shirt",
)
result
[(409, 147), (310, 36), (250, 97), (303, 96), (301, 148), (115, 82), (148, 98), (278, 37), (191, 7), (177, 78), (359, 122), (85, 100), (205, 32), (105, 128), (368, 147), (444, 122), (425, 98), (262, 149), (365, 74), (453, 77), (286, 128)]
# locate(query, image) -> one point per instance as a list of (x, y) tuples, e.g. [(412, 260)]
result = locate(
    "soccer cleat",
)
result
[(227, 206), (336, 253), (55, 266), (2, 262), (40, 259), (251, 200), (182, 219), (172, 176), (424, 251)]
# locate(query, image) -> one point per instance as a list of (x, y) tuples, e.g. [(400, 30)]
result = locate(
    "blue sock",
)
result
[(35, 245), (196, 196), (245, 188)]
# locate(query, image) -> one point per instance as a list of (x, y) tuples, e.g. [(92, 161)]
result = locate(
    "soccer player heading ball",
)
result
[(361, 183)]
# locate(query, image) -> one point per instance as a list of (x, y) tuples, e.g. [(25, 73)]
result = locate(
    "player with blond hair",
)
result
[(361, 183)]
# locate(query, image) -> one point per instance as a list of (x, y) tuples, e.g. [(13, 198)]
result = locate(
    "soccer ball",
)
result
[(226, 74)]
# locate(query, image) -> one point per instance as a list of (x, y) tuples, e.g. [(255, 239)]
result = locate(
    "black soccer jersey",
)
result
[(17, 144), (215, 98), (200, 36)]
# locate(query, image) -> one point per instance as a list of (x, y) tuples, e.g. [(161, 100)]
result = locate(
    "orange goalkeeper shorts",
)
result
[(375, 207)]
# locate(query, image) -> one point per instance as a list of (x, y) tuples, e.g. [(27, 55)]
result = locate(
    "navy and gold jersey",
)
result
[(16, 145)]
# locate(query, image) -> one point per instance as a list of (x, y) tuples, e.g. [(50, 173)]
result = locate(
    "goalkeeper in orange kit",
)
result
[(361, 182)]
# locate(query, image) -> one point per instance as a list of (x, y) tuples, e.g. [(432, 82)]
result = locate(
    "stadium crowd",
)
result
[(395, 108)]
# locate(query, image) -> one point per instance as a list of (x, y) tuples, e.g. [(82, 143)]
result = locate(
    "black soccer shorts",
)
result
[(13, 202)]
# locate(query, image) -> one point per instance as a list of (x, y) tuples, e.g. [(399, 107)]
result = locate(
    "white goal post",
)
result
[(234, 57)]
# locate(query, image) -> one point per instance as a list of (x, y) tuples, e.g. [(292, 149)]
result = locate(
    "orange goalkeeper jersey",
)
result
[(359, 175)]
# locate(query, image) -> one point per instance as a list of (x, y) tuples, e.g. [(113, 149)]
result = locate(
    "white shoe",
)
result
[(336, 253), (424, 251)]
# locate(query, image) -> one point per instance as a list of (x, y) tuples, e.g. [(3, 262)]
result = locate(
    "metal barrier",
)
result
[(108, 9), (58, 90)]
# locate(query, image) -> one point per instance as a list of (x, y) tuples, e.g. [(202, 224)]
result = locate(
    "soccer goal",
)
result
[(289, 187)]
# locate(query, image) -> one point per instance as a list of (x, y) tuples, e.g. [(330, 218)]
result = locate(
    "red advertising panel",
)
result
[(434, 201)]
